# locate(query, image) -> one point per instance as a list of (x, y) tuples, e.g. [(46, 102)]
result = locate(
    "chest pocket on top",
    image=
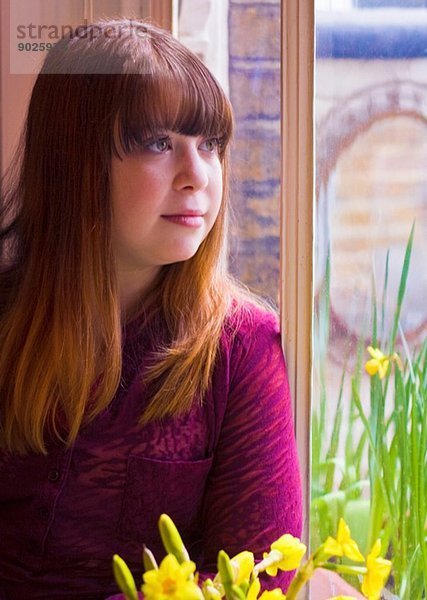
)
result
[(154, 487)]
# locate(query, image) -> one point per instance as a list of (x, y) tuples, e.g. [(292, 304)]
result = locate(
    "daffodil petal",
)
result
[(254, 590), (245, 562), (275, 594), (375, 353), (292, 550), (378, 570), (332, 547), (351, 551), (372, 366), (343, 533), (272, 571), (383, 368), (376, 549)]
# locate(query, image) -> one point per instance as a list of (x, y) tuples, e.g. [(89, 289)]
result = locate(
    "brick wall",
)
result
[(254, 69)]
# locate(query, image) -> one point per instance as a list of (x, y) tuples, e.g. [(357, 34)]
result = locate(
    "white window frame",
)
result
[(297, 217)]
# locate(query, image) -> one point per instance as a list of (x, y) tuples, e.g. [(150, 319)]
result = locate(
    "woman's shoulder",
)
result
[(251, 346), (250, 319)]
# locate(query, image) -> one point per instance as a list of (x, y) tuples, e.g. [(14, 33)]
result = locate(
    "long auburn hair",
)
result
[(60, 325)]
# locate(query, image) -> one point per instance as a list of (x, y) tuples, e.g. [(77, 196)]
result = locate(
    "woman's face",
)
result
[(165, 200)]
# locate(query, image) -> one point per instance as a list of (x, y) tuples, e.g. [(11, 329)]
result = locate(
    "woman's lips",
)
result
[(185, 220)]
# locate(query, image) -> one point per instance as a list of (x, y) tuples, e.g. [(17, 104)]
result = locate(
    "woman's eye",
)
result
[(160, 145), (211, 145)]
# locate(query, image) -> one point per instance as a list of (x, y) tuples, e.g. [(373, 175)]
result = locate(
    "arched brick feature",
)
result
[(371, 156)]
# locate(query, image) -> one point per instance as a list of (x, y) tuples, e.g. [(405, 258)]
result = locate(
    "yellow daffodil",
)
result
[(378, 570), (254, 590), (242, 564), (343, 544), (379, 362), (275, 594), (171, 581), (285, 554)]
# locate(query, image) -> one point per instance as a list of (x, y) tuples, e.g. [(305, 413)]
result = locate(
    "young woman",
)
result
[(136, 376)]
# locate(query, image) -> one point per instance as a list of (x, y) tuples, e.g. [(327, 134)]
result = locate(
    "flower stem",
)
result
[(300, 579), (346, 569)]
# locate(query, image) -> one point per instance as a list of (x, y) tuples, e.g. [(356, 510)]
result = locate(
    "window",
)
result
[(368, 461)]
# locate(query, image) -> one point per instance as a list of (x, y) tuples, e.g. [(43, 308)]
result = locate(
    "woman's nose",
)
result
[(191, 170)]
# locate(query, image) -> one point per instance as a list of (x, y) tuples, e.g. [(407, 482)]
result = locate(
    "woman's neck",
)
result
[(134, 287)]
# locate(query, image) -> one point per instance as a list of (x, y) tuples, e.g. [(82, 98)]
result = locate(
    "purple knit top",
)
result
[(227, 473)]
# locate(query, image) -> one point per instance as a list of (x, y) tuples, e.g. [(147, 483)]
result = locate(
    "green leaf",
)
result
[(402, 286)]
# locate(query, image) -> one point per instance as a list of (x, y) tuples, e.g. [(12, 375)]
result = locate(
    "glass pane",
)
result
[(369, 420), (240, 42)]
